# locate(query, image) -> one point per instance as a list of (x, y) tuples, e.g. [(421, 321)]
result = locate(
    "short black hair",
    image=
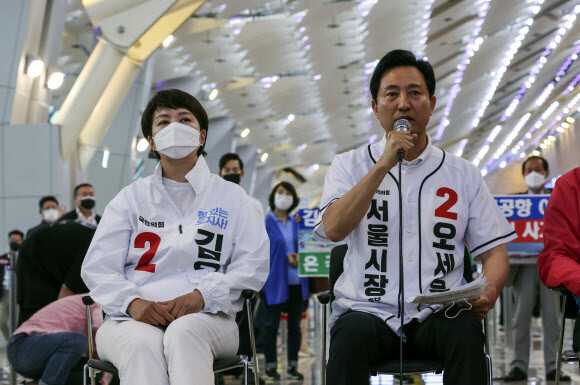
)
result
[(173, 99), (82, 185), (401, 58), (230, 156), (288, 186), (544, 163), (47, 198), (16, 232)]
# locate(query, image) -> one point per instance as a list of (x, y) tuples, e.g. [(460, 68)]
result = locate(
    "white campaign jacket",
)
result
[(445, 203), (144, 247)]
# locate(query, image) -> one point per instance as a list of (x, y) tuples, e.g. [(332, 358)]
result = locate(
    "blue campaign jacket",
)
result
[(276, 287)]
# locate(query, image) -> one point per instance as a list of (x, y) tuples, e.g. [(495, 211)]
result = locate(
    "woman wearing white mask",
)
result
[(171, 256), (284, 290)]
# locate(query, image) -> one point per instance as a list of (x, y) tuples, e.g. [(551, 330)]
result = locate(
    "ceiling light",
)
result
[(291, 117), (213, 94), (55, 80), (106, 154), (142, 145), (168, 40), (484, 172), (315, 167), (35, 68), (560, 129), (317, 77), (543, 146), (245, 132), (551, 138), (264, 157), (570, 119), (536, 153), (503, 164), (565, 125)]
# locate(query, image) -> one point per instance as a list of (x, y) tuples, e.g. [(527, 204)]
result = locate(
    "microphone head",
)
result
[(402, 125)]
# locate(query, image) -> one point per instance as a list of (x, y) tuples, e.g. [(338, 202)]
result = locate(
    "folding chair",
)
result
[(219, 365), (569, 310), (388, 366)]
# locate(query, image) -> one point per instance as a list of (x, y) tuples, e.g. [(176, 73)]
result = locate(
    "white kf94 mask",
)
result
[(283, 202), (535, 179), (177, 140)]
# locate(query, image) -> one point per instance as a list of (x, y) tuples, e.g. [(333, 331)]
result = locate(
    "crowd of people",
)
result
[(170, 256)]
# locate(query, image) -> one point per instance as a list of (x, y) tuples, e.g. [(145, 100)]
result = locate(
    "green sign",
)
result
[(315, 264)]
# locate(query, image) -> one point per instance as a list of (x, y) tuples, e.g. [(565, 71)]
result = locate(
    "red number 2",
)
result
[(443, 210), (154, 241)]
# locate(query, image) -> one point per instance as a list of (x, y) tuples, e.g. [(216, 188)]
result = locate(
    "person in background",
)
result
[(525, 281), (84, 195), (48, 210), (559, 262), (49, 265), (284, 290), (232, 170), (15, 238), (50, 346)]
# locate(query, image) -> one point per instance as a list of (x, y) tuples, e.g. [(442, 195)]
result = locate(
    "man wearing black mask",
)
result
[(15, 238), (84, 195), (232, 170)]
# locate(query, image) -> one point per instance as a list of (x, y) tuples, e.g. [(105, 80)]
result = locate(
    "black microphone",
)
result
[(401, 125)]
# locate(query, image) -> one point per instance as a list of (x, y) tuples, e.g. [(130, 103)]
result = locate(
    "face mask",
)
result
[(535, 180), (14, 246), (50, 215), (177, 140), (283, 202), (88, 203), (235, 178)]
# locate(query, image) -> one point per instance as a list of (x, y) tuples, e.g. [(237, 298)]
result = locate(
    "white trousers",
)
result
[(181, 354)]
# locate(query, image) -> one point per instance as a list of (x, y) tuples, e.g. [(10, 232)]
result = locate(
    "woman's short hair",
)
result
[(288, 187), (173, 99)]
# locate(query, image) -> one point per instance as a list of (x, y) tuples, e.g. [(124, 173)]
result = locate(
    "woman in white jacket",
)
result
[(171, 256)]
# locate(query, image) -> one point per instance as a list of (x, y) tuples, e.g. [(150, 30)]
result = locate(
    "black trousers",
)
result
[(359, 340), (294, 307)]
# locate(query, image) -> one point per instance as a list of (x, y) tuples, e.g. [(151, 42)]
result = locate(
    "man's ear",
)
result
[(375, 109), (432, 103)]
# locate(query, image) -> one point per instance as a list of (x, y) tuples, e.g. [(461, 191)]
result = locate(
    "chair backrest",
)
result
[(336, 268), (338, 253)]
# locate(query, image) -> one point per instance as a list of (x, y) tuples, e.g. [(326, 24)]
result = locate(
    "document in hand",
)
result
[(467, 292)]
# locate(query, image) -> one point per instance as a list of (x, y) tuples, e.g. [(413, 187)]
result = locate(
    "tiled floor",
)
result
[(501, 356)]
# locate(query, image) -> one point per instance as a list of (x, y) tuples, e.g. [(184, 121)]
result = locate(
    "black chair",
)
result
[(388, 366), (219, 365), (570, 311)]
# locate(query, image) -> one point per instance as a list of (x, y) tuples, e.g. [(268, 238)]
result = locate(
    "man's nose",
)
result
[(404, 103)]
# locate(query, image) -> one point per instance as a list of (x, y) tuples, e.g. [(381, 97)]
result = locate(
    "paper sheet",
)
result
[(467, 292)]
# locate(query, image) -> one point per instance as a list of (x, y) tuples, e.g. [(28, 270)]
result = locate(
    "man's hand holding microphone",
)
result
[(399, 141)]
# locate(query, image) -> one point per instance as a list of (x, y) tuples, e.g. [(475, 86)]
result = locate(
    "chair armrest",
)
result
[(248, 294), (87, 300), (562, 290), (323, 297)]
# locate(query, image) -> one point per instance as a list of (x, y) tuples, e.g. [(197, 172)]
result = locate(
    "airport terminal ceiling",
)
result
[(292, 75)]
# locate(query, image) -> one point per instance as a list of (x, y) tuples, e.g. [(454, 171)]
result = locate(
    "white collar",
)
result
[(422, 157), (81, 216), (198, 177)]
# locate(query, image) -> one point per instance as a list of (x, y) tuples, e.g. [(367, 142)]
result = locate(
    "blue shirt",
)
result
[(287, 232)]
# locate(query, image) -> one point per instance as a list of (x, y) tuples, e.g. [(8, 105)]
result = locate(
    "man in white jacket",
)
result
[(171, 256)]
